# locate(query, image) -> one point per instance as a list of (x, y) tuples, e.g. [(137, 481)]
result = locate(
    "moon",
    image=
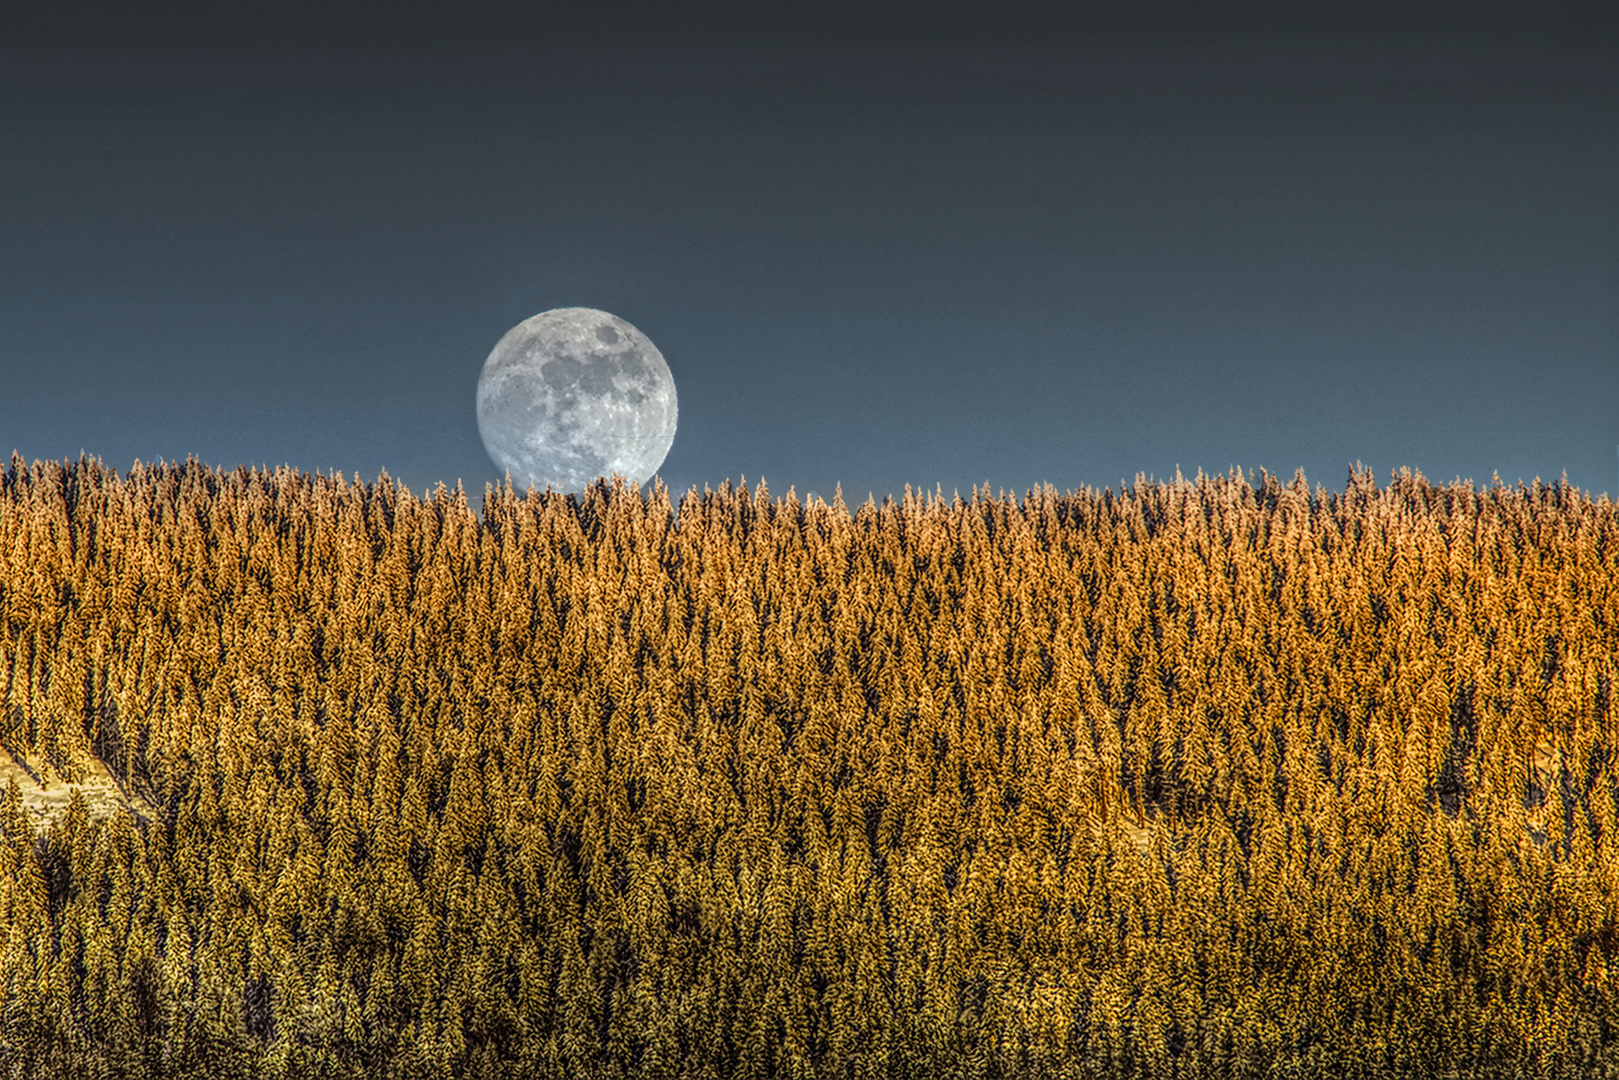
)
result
[(573, 394)]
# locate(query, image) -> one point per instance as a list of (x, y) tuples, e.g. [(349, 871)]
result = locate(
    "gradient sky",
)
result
[(880, 253)]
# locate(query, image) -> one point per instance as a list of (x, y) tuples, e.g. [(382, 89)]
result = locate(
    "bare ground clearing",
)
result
[(45, 795)]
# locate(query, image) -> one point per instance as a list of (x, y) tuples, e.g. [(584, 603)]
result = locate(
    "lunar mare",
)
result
[(573, 394)]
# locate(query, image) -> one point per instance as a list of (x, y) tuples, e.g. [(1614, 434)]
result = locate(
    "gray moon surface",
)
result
[(573, 394)]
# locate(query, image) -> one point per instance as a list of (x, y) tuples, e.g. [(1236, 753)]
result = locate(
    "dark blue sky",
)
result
[(942, 257)]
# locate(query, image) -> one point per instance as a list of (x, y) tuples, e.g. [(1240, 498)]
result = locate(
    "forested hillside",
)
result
[(1193, 779)]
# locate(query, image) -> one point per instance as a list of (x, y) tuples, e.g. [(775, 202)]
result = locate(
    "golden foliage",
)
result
[(1198, 777)]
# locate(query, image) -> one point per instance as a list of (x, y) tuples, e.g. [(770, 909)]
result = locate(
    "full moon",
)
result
[(574, 394)]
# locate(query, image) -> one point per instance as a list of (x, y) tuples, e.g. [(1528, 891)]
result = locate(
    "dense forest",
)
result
[(1196, 779)]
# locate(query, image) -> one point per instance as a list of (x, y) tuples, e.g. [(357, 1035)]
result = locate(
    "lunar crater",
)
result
[(573, 394)]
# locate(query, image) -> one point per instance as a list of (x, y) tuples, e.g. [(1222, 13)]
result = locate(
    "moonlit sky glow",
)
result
[(926, 254)]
